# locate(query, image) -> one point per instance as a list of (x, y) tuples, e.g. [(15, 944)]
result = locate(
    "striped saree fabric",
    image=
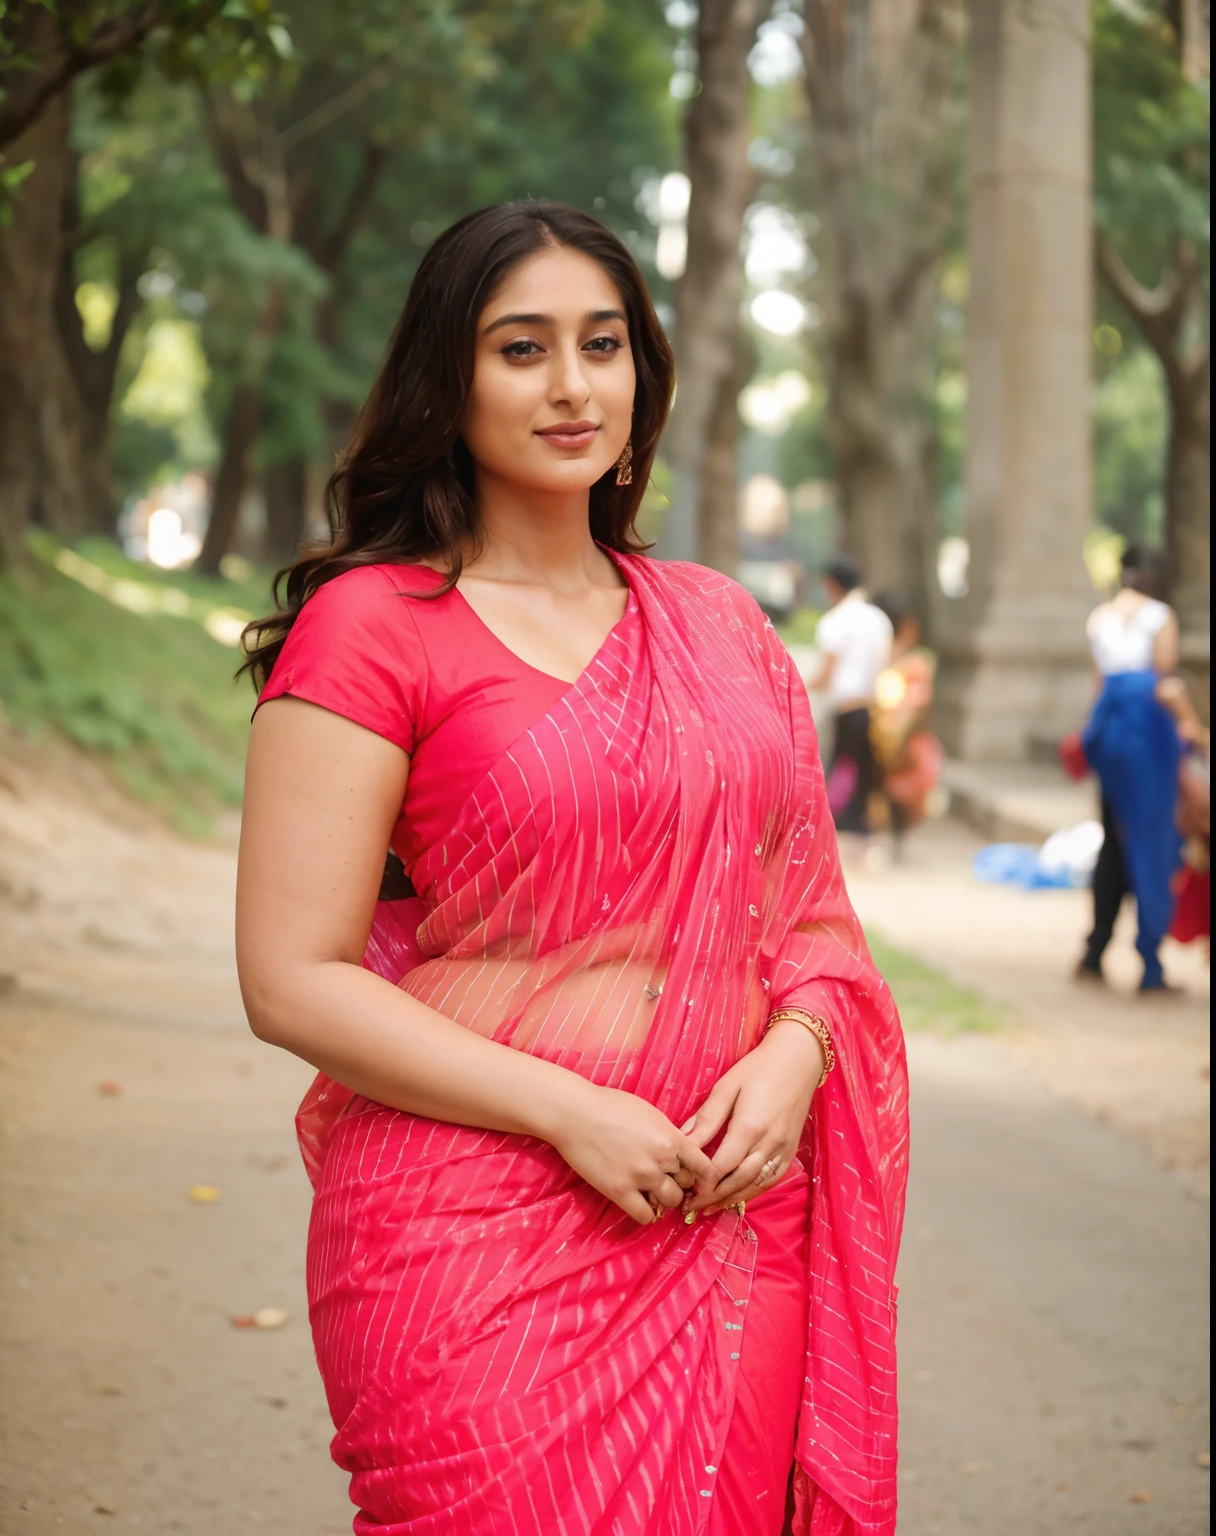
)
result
[(641, 878)]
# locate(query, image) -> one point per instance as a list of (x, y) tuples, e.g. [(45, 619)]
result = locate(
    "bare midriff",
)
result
[(599, 1009)]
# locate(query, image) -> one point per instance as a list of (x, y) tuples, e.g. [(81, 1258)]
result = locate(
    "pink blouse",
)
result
[(426, 674)]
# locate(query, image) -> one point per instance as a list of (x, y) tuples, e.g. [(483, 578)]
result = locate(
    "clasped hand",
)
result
[(629, 1150), (763, 1102)]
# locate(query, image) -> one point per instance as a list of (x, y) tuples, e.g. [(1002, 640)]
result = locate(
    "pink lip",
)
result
[(570, 434)]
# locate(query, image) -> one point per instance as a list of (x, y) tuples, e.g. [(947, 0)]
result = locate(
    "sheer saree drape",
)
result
[(640, 879)]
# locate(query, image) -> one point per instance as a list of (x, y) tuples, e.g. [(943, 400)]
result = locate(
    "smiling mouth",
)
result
[(570, 434)]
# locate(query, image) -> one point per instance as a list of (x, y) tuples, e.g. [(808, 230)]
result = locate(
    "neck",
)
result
[(534, 535)]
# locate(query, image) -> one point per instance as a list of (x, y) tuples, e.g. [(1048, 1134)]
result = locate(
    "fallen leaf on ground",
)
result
[(109, 1090), (204, 1194), (1140, 1496), (265, 1317)]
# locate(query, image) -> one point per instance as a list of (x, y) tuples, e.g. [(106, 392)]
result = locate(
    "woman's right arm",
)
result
[(321, 797)]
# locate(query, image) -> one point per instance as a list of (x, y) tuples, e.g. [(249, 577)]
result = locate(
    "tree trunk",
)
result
[(29, 247), (61, 491), (271, 201), (719, 499), (84, 405), (922, 589), (240, 435), (286, 488), (707, 301), (1162, 315), (86, 377), (1188, 512), (879, 80)]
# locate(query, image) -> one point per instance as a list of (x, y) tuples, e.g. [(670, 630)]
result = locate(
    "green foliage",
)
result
[(12, 177), (1130, 426), (151, 694), (1151, 166), (144, 454), (583, 122), (463, 104), (929, 1000), (152, 195), (1151, 126), (800, 627)]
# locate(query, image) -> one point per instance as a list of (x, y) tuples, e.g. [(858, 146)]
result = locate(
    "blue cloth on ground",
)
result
[(1017, 864)]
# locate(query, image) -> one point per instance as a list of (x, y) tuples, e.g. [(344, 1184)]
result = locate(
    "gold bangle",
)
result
[(818, 1027)]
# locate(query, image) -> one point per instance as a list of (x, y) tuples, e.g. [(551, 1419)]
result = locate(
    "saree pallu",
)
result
[(643, 876), (1132, 744)]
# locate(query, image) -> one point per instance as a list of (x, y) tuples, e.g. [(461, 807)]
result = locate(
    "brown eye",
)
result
[(521, 349), (606, 345)]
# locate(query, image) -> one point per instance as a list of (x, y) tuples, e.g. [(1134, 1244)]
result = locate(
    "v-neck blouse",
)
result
[(424, 673)]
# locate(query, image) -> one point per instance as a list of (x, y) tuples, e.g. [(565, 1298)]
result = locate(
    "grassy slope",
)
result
[(151, 693), (926, 998)]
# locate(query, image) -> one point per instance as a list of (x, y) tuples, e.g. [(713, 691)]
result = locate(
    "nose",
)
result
[(569, 385)]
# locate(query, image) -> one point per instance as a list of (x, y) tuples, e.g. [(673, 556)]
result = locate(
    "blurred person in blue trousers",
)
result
[(1132, 743)]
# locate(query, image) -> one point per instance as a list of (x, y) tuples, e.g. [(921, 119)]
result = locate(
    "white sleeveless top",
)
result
[(1125, 644)]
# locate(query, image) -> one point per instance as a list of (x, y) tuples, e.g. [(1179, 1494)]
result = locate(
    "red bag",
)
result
[(1072, 756), (1192, 905)]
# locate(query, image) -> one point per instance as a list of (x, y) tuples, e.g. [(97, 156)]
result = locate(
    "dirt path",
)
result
[(130, 1402), (1052, 1305), (1141, 1063), (1053, 1308), (1053, 1315)]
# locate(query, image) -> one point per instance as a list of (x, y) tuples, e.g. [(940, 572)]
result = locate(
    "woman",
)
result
[(624, 965), (908, 755), (1132, 744)]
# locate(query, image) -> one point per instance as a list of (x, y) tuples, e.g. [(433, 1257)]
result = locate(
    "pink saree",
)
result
[(642, 876)]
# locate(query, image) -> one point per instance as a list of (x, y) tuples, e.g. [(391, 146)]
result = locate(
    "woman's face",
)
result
[(553, 379)]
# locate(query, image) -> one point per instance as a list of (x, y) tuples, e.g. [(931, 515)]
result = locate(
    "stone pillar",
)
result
[(1015, 672)]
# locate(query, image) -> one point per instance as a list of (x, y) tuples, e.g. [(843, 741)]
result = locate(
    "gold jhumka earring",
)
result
[(624, 465)]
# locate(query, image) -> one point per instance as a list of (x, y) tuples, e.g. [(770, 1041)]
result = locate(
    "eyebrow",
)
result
[(593, 316)]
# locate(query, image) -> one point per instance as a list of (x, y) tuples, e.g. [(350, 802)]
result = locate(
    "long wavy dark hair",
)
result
[(403, 490)]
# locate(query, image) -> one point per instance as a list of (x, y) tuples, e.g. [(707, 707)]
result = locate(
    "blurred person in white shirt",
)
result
[(854, 641)]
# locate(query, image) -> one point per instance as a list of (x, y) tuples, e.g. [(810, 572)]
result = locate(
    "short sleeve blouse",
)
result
[(1125, 644), (355, 650), (424, 673)]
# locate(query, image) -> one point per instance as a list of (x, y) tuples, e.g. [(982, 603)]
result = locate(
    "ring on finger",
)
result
[(769, 1171)]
